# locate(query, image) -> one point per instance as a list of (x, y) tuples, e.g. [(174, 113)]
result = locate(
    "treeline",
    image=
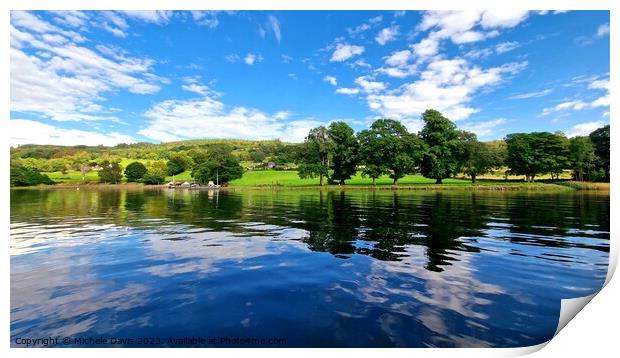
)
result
[(440, 150), (51, 158), (333, 154)]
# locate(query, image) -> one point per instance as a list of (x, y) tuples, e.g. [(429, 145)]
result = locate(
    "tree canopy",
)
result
[(601, 140), (135, 171), (345, 151), (219, 168), (315, 155), (536, 153), (441, 159), (110, 172)]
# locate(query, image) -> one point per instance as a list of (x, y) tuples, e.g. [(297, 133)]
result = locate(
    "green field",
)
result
[(274, 178), (277, 178)]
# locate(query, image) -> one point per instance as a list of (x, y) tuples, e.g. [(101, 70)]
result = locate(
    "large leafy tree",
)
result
[(536, 153), (345, 151), (443, 157), (110, 172), (221, 167), (600, 140), (478, 157), (24, 176), (582, 157), (156, 173), (179, 163), (135, 171), (315, 155), (387, 147)]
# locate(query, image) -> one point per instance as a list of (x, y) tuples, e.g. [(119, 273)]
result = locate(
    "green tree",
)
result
[(371, 155), (390, 149), (24, 176), (220, 168), (581, 157), (536, 153), (345, 150), (443, 157), (156, 173), (110, 172), (478, 157), (135, 171), (600, 140), (315, 155), (179, 163)]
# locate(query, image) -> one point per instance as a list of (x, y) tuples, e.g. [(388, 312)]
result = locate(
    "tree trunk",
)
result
[(321, 179), (341, 181), (473, 179), (374, 181), (438, 181), (394, 182)]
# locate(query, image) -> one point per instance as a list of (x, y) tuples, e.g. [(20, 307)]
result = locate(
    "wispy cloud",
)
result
[(331, 80), (251, 59), (345, 51), (275, 27), (534, 94), (584, 129), (387, 34)]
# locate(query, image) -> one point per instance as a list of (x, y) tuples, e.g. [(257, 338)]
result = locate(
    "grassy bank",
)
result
[(273, 179)]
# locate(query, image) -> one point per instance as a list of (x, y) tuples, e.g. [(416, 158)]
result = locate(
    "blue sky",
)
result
[(156, 76)]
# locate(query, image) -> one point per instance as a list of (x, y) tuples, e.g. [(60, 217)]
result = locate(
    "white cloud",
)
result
[(584, 129), (159, 17), (535, 94), (603, 101), (25, 131), (600, 84), (347, 91), (62, 80), (506, 46), (503, 18), (603, 30), (399, 64), (359, 30), (445, 85), (208, 118), (192, 84), (369, 86), (251, 59), (463, 27), (275, 27), (34, 25), (282, 115), (387, 34), (486, 128), (480, 53), (578, 105), (71, 18), (399, 58), (206, 18), (114, 30), (345, 51), (331, 80)]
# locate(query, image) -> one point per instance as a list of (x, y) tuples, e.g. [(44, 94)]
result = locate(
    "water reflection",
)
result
[(372, 268)]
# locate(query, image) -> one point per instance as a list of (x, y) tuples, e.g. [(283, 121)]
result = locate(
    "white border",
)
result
[(594, 330)]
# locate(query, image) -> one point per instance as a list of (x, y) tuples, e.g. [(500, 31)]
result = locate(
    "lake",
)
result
[(300, 268)]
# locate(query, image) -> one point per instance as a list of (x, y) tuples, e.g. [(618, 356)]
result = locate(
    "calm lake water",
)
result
[(301, 268)]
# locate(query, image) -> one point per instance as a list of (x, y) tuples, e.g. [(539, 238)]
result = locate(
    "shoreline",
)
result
[(541, 186)]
